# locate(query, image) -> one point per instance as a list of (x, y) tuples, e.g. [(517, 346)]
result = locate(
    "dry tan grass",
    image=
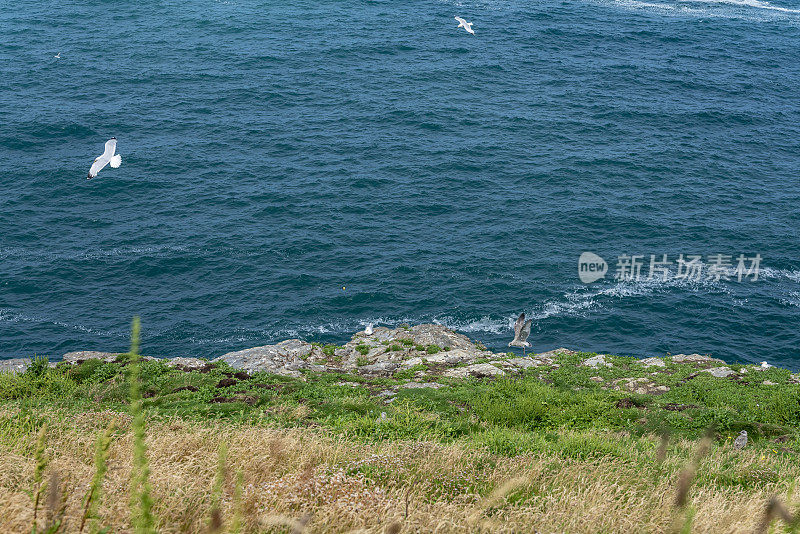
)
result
[(309, 480)]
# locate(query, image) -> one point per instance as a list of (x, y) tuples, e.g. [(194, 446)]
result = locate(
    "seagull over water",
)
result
[(466, 25), (741, 440), (522, 329), (106, 158), (57, 56)]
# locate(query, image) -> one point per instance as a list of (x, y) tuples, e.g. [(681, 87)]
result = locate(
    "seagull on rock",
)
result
[(368, 330), (741, 440), (107, 157), (466, 25), (765, 365), (522, 329)]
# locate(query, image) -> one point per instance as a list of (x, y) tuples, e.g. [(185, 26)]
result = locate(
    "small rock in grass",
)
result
[(720, 372), (15, 365), (642, 386), (187, 363), (694, 358), (420, 385), (478, 370), (649, 362), (596, 361)]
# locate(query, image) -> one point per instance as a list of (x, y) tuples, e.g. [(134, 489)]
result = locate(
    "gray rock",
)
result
[(551, 355), (649, 362), (423, 334), (794, 379), (284, 358), (188, 363), (453, 357), (420, 385), (596, 361), (642, 386), (411, 362), (720, 372), (769, 383), (15, 365), (83, 355), (379, 368), (694, 358), (524, 363), (478, 370)]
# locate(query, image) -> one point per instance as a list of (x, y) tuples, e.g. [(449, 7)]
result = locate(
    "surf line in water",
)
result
[(758, 4)]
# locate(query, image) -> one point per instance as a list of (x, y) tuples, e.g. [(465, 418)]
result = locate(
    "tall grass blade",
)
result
[(95, 494), (141, 503)]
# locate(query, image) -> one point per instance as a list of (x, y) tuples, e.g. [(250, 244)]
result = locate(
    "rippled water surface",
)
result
[(301, 168)]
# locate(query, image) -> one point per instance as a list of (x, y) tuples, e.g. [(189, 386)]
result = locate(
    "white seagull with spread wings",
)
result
[(522, 329), (466, 25), (106, 158)]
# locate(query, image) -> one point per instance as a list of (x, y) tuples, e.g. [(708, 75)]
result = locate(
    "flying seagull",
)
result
[(368, 330), (105, 158), (522, 329), (466, 25), (57, 56), (741, 440)]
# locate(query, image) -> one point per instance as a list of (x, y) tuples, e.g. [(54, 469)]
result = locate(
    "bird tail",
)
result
[(115, 161)]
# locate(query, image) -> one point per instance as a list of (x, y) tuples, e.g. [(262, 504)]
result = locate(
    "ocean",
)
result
[(304, 168)]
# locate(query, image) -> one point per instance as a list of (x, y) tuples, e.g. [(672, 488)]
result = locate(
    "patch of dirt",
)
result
[(674, 407), (247, 399), (628, 403), (239, 375), (225, 382), (693, 375)]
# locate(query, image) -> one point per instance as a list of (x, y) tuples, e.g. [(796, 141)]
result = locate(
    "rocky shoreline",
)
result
[(408, 350)]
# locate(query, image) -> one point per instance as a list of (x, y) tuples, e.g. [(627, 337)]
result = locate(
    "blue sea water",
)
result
[(301, 168)]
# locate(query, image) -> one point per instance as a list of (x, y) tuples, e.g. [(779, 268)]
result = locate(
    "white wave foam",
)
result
[(756, 10), (758, 4), (8, 316), (792, 299), (40, 255), (637, 4), (779, 274), (484, 324)]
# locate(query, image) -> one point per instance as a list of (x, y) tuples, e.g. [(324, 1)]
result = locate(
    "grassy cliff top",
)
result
[(566, 442)]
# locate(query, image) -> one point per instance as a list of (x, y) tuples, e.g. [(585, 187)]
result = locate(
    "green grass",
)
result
[(536, 402)]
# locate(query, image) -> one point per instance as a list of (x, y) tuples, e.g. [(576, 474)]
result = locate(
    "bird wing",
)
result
[(111, 147), (98, 164), (526, 330), (460, 20), (518, 325)]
